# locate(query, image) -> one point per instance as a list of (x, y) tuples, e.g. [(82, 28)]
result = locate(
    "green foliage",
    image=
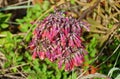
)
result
[(118, 77), (72, 1), (112, 70), (4, 18), (37, 11), (92, 47), (92, 51)]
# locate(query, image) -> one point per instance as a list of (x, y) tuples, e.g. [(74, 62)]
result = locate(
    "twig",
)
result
[(81, 3), (117, 59), (11, 76), (21, 74), (81, 74), (16, 7), (109, 56), (19, 34), (9, 22), (111, 35), (14, 67), (1, 35), (24, 2), (97, 31), (96, 75), (89, 10)]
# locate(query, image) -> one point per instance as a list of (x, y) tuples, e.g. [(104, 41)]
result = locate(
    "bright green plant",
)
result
[(4, 18), (92, 50)]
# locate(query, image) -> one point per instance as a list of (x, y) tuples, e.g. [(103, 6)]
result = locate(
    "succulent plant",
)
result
[(58, 38)]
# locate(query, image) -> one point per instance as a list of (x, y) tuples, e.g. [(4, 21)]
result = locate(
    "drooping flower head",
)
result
[(58, 38)]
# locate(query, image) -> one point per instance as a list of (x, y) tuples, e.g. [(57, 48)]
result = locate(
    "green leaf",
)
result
[(112, 70), (4, 18), (46, 5), (65, 75), (36, 62), (7, 64), (28, 37), (4, 26), (74, 75), (23, 28), (72, 1), (28, 56), (92, 54), (19, 58), (14, 69), (44, 69), (27, 69), (50, 72), (118, 77), (8, 40), (2, 41), (58, 75)]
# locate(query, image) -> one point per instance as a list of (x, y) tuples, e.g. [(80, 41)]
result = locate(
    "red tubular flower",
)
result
[(67, 66), (71, 64), (41, 55), (67, 30), (58, 38), (45, 33), (34, 55), (77, 60), (77, 41), (63, 40), (60, 64), (71, 42), (48, 54)]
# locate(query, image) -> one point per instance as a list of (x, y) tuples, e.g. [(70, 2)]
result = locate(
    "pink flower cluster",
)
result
[(57, 38)]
